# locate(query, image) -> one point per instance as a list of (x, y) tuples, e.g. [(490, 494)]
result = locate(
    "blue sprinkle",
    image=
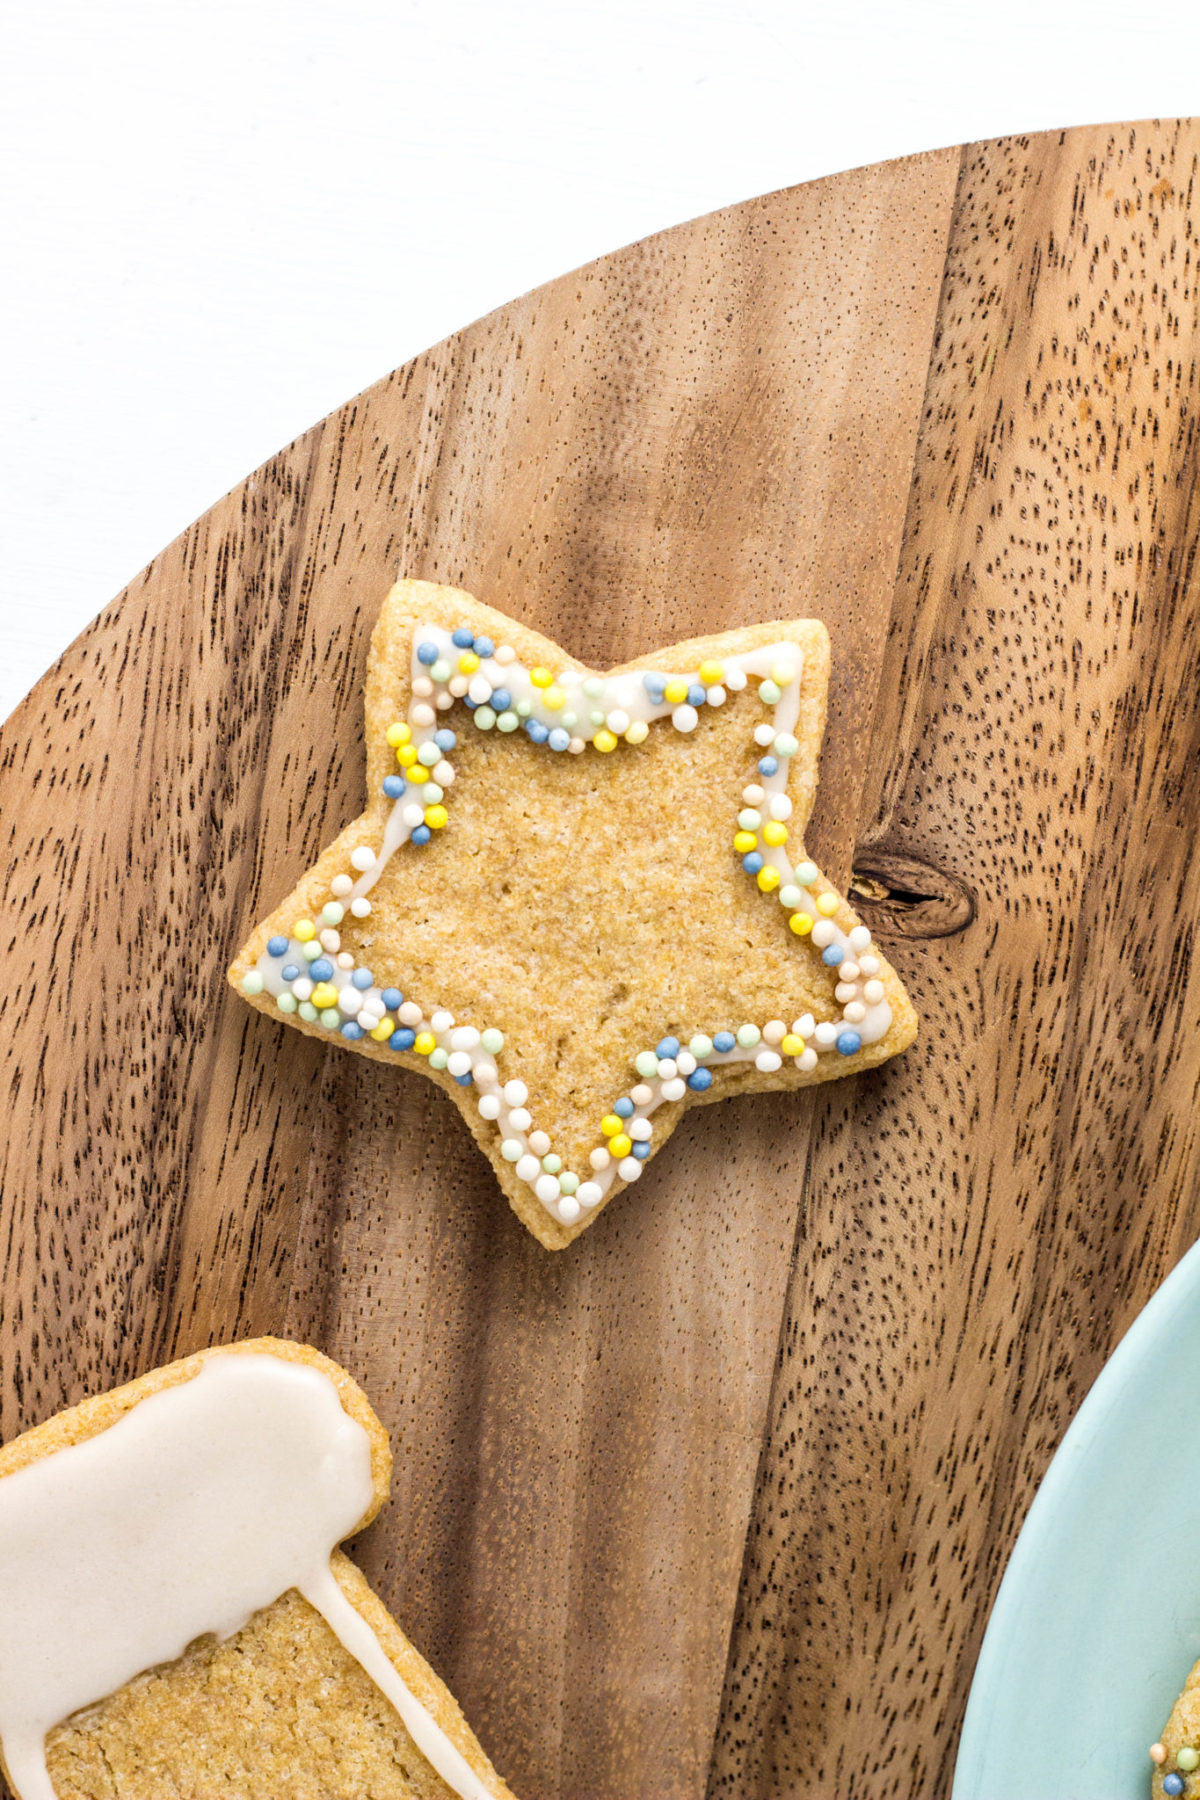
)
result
[(768, 765), (363, 979), (427, 654), (469, 703), (291, 971), (500, 701), (833, 955), (277, 946), (404, 1039), (322, 969), (392, 998), (752, 863), (848, 1042), (559, 739), (722, 1041), (484, 646), (641, 1151), (464, 1080), (393, 786), (655, 687), (421, 834), (1173, 1784), (464, 637), (668, 1046), (624, 1107), (445, 739), (352, 1030), (699, 1079), (538, 733), (697, 694)]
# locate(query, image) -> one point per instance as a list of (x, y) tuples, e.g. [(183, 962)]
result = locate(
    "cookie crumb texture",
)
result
[(235, 1720), (1176, 1756)]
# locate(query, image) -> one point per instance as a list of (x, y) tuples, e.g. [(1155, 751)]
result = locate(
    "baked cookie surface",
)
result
[(605, 913), (142, 1534)]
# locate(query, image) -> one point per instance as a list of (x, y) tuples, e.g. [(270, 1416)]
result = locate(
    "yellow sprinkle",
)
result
[(711, 673), (425, 1043), (801, 923), (305, 930), (827, 904), (604, 740), (768, 880), (638, 732), (398, 734), (435, 817), (383, 1030), (406, 755), (610, 1124), (620, 1146), (417, 773), (323, 995), (782, 673), (744, 841), (554, 698), (676, 692), (540, 677), (468, 662), (774, 832), (792, 1045)]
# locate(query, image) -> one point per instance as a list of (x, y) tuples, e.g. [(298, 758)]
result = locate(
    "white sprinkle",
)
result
[(639, 1130), (848, 970), (345, 960), (458, 685), (489, 1106), (539, 1143), (667, 1067), (764, 735), (363, 858), (641, 1095), (458, 1062), (423, 714), (515, 1093), (520, 1119), (302, 988), (485, 1071), (340, 886), (360, 908), (780, 807), (869, 965), (685, 1062), (464, 1037), (752, 794), (599, 1159), (768, 1061), (715, 696), (774, 1031), (873, 993), (444, 702), (823, 933), (547, 1188), (528, 1168), (674, 1090), (576, 745), (349, 1001), (443, 773), (369, 1017), (807, 1060), (422, 687), (504, 654), (409, 1013), (441, 1021), (629, 1168), (413, 815), (587, 1193), (568, 1206), (480, 690), (826, 1033), (845, 990), (735, 680), (330, 940), (618, 722), (685, 718), (860, 939), (856, 1012)]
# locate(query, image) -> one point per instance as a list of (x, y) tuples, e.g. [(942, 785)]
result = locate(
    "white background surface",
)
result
[(220, 220)]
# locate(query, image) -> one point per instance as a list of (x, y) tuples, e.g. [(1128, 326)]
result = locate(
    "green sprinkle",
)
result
[(511, 1150), (311, 950), (333, 912), (646, 1063), (438, 1058), (552, 1164), (594, 687), (1188, 1759), (507, 721), (492, 1041), (429, 754), (440, 670), (524, 708), (307, 1011), (701, 1047), (749, 819), (485, 717), (252, 983), (806, 874), (785, 744), (748, 1036), (770, 693), (568, 1182), (570, 720), (286, 1002), (790, 897), (330, 1018), (431, 793)]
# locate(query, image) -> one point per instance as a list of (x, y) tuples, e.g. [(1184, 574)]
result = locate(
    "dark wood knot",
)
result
[(898, 896)]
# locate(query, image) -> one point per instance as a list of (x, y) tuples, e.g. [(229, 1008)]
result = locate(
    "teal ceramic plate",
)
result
[(1097, 1621)]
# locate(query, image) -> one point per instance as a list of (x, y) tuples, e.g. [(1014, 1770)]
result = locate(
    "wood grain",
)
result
[(948, 404)]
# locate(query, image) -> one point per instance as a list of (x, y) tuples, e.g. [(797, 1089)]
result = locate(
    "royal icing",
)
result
[(199, 1507), (310, 973)]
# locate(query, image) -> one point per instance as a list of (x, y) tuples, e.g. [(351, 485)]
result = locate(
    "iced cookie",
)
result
[(176, 1622), (580, 901), (1175, 1759)]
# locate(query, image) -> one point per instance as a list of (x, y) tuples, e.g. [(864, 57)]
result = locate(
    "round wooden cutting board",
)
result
[(717, 1500)]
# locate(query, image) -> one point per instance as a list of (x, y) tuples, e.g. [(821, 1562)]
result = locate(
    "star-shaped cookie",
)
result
[(580, 902)]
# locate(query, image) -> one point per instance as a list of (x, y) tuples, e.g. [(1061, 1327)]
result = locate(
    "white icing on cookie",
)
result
[(199, 1507)]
